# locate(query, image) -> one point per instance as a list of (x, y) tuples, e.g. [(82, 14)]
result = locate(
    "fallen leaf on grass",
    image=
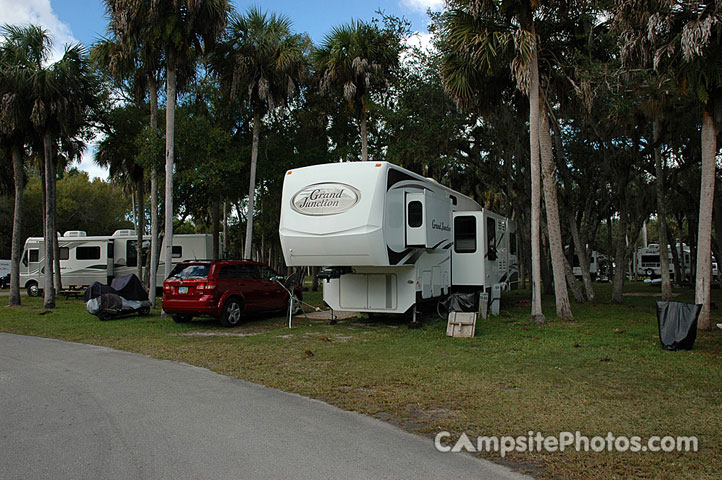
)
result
[(619, 330), (605, 359), (576, 345), (325, 339), (308, 353)]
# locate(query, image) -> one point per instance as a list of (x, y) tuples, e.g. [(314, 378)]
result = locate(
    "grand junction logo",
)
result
[(325, 199)]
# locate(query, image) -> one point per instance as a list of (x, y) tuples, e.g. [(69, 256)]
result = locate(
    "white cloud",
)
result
[(420, 40), (38, 12), (87, 164), (423, 5)]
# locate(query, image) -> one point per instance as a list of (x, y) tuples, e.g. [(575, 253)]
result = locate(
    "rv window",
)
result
[(415, 214), (454, 201), (64, 253), (177, 251), (87, 253), (512, 243), (34, 255), (131, 252), (575, 261), (650, 258), (465, 234), (25, 258), (111, 249), (491, 238)]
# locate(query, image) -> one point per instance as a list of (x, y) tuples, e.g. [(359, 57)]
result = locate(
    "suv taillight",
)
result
[(206, 286)]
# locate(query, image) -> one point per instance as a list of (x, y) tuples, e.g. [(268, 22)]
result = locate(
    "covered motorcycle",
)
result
[(125, 295)]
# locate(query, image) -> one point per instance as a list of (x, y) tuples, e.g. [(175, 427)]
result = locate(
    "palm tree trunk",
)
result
[(17, 241), (169, 155), (215, 221), (49, 291), (154, 246), (248, 250), (564, 309), (364, 137), (537, 316), (661, 214), (704, 236), (140, 224), (581, 251), (619, 266), (56, 256), (225, 227)]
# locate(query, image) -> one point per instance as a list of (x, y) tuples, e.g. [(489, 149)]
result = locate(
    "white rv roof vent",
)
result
[(124, 233), (75, 233)]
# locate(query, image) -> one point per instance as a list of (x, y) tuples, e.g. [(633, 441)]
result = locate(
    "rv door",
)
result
[(415, 228)]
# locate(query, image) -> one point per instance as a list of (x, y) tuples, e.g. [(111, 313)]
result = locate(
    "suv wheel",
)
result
[(231, 315)]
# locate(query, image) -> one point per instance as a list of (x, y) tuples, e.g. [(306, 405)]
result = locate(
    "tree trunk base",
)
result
[(539, 320)]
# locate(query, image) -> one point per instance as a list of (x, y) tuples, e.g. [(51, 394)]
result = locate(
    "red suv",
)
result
[(225, 289)]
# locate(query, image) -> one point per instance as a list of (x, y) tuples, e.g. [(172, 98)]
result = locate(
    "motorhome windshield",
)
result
[(185, 271)]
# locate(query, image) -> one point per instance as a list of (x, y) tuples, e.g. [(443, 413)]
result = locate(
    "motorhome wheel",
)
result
[(33, 290)]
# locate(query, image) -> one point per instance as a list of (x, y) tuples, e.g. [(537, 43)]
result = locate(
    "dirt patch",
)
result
[(215, 334), (326, 315)]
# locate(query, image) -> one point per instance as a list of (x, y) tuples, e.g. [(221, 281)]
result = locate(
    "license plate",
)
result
[(182, 290)]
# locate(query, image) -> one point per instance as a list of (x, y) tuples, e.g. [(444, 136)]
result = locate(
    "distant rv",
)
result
[(390, 238), (84, 259), (649, 263)]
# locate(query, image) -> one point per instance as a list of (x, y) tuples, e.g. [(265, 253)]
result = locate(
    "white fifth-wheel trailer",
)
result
[(391, 238), (87, 259)]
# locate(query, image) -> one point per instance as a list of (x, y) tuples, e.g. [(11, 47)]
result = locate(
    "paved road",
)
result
[(72, 411)]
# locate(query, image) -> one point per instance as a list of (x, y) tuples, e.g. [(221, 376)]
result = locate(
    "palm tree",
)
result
[(138, 61), (262, 59), (481, 36), (177, 28), (682, 40), (22, 54), (358, 59), (62, 95)]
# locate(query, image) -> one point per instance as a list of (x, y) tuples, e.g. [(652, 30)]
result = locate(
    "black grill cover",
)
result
[(677, 324), (128, 287), (96, 289)]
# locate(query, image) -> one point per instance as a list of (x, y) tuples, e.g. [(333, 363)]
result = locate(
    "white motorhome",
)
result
[(649, 264), (390, 237), (594, 265), (84, 259)]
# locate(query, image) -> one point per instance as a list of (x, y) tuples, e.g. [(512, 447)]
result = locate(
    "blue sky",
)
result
[(84, 21)]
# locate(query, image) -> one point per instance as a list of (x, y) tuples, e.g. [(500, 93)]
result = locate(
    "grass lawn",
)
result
[(602, 373)]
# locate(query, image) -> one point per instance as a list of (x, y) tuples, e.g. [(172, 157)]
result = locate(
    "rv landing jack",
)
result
[(415, 323)]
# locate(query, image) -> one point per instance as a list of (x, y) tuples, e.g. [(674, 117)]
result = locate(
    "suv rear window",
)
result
[(190, 271)]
